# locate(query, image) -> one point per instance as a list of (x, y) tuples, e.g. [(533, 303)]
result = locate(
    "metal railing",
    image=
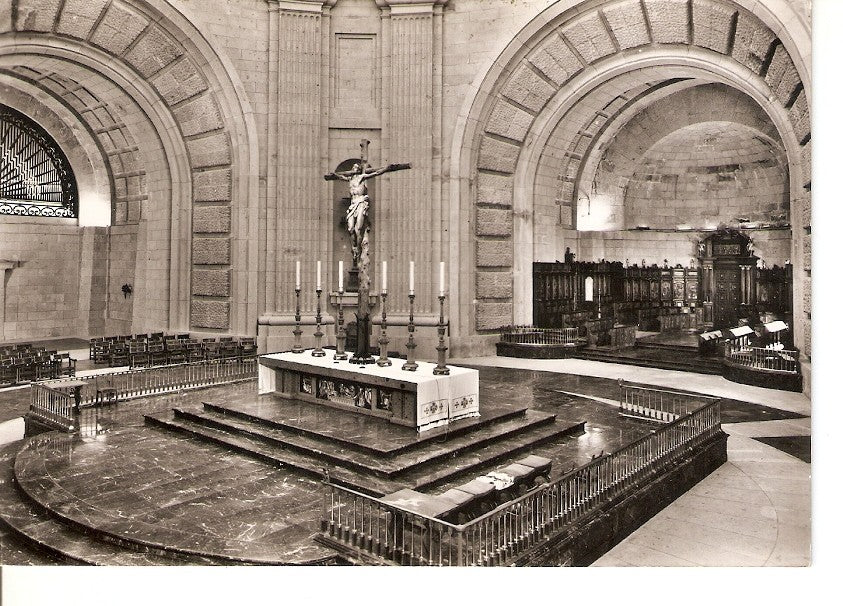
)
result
[(762, 358), (56, 408), (142, 382), (663, 405), (59, 410), (531, 335), (378, 531)]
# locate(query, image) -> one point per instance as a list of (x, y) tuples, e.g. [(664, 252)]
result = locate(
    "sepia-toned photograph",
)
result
[(405, 283)]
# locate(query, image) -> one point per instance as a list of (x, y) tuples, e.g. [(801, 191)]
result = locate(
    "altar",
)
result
[(419, 399)]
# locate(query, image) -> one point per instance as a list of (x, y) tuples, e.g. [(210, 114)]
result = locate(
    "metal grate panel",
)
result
[(35, 176)]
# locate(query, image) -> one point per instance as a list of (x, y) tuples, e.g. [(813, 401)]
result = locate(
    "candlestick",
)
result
[(317, 350), (340, 279), (412, 277), (340, 353), (298, 274), (441, 369), (383, 277), (410, 364), (383, 360), (297, 348), (319, 275), (441, 278)]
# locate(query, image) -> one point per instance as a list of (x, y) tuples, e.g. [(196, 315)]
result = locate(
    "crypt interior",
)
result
[(600, 211)]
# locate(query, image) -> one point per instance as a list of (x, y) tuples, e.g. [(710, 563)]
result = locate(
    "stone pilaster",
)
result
[(412, 133), (297, 213), (4, 267)]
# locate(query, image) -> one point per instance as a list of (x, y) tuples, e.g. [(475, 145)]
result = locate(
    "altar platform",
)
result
[(421, 398)]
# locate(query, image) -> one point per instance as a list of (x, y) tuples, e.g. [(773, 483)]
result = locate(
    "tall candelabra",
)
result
[(441, 369), (317, 350), (383, 360), (410, 364), (297, 348), (340, 353)]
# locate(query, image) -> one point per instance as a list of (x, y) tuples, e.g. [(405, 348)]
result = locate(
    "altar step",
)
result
[(350, 457), (667, 358), (287, 415), (427, 464), (675, 347)]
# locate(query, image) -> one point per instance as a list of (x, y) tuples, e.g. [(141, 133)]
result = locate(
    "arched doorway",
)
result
[(536, 135), (160, 111)]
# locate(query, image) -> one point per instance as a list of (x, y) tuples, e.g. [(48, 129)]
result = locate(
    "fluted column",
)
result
[(301, 208), (412, 129)]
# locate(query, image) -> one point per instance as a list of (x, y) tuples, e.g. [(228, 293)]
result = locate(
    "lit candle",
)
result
[(412, 275), (298, 274), (319, 275), (340, 276), (383, 276), (441, 278)]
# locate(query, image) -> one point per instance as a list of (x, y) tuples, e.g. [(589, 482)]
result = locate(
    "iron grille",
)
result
[(35, 176)]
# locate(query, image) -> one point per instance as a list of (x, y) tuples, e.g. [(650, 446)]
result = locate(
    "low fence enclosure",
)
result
[(532, 335), (71, 404), (655, 404), (375, 531), (764, 358), (53, 406)]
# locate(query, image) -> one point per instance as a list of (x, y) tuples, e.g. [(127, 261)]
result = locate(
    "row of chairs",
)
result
[(159, 349), (100, 348), (26, 364), (18, 349)]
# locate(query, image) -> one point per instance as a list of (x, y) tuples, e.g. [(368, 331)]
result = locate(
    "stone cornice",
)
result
[(402, 7), (410, 7), (300, 6)]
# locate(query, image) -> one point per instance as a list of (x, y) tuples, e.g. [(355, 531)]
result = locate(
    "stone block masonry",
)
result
[(209, 314), (42, 288)]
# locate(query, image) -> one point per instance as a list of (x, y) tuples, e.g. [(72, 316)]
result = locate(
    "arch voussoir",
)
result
[(719, 37)]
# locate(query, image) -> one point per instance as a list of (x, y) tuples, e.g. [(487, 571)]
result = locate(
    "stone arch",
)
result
[(569, 49), (192, 100), (608, 160)]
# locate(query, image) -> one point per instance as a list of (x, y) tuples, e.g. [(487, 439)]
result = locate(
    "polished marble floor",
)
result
[(159, 489), (762, 493)]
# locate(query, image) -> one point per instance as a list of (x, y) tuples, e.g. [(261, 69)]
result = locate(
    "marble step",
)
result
[(309, 465), (710, 367), (60, 542), (134, 535), (283, 415), (337, 454), (685, 349), (420, 477), (490, 457)]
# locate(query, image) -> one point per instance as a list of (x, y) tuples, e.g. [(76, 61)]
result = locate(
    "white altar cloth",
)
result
[(439, 398)]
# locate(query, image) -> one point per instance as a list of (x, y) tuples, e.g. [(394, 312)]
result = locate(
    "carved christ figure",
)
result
[(357, 215)]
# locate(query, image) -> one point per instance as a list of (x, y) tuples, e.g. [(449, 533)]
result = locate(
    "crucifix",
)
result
[(358, 226)]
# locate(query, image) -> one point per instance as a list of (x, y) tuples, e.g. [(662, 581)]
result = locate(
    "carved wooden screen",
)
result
[(35, 176)]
